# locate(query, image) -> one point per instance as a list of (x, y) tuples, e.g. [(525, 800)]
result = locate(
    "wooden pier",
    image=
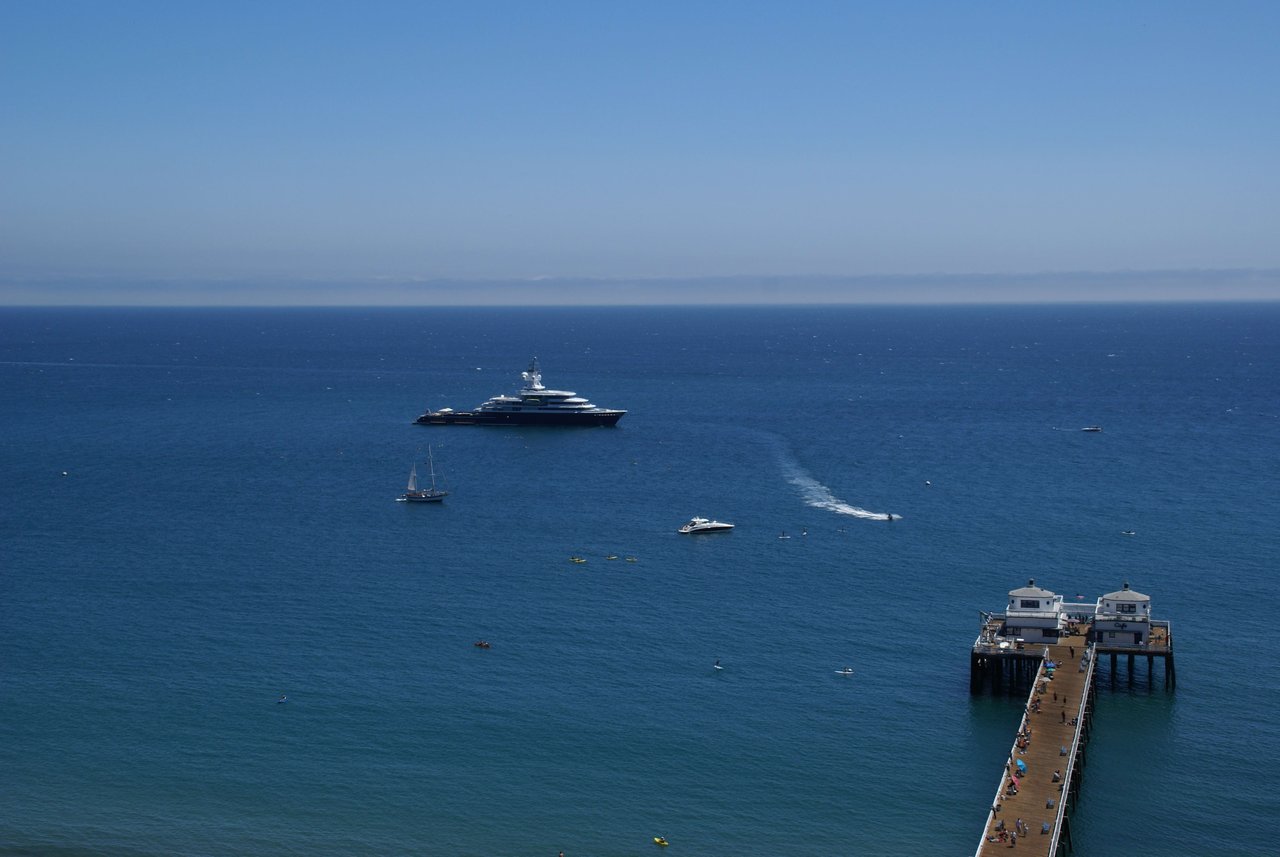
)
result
[(1050, 651), (1055, 725), (1052, 736)]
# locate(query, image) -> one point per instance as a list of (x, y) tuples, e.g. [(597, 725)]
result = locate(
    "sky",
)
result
[(422, 152)]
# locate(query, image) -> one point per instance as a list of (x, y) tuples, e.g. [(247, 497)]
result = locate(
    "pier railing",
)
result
[(1068, 775), (1013, 754), (1088, 660)]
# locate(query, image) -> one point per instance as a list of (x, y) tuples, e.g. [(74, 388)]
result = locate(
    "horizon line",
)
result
[(1200, 285), (662, 305)]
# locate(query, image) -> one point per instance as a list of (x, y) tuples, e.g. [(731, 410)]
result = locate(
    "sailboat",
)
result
[(414, 494)]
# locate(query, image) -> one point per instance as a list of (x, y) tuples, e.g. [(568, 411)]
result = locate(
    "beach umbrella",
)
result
[(1022, 766)]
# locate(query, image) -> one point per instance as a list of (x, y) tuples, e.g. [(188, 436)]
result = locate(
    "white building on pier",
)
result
[(1122, 618), (1034, 615)]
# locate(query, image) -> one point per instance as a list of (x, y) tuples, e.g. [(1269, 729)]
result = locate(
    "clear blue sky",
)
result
[(271, 142)]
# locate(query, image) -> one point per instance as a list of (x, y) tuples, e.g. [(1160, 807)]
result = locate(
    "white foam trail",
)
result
[(813, 492), (819, 496)]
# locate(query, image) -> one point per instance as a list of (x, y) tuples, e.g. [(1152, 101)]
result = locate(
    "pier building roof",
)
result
[(1031, 591), (1126, 594)]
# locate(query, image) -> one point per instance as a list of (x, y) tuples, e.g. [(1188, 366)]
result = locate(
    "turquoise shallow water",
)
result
[(227, 532)]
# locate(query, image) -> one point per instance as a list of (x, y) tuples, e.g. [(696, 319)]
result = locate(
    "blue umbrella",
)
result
[(1022, 766)]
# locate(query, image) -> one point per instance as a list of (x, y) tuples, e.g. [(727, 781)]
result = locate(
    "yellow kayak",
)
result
[(659, 840)]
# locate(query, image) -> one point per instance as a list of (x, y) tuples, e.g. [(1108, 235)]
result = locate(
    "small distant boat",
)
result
[(413, 494), (577, 559), (612, 556), (703, 525), (661, 840), (481, 644), (632, 559), (845, 671), (1128, 533), (783, 535), (1091, 428)]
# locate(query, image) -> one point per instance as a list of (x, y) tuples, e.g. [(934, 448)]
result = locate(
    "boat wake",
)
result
[(819, 496)]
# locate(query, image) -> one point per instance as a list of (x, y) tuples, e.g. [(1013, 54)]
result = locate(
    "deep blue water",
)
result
[(226, 531)]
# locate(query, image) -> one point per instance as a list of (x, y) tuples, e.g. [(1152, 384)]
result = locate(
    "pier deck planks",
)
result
[(1042, 757)]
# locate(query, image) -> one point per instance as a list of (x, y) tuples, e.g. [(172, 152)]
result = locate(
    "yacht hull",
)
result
[(525, 418)]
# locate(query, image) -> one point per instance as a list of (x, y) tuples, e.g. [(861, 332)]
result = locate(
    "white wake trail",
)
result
[(819, 496)]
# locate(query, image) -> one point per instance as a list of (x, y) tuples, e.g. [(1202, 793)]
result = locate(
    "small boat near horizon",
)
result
[(414, 494), (1092, 428), (704, 525)]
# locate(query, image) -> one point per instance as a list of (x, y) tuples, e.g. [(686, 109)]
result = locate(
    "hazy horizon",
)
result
[(308, 153), (925, 289)]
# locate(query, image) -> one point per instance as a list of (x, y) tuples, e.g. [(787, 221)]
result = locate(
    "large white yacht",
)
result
[(534, 406)]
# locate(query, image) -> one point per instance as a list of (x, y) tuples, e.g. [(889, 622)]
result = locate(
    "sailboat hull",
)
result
[(413, 494), (424, 497)]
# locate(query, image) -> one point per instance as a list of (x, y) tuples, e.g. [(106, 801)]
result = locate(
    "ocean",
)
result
[(198, 515)]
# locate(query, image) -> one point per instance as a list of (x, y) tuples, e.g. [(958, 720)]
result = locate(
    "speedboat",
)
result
[(702, 525), (1091, 428), (534, 406)]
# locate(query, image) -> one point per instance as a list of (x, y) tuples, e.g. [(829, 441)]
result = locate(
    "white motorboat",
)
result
[(703, 525)]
